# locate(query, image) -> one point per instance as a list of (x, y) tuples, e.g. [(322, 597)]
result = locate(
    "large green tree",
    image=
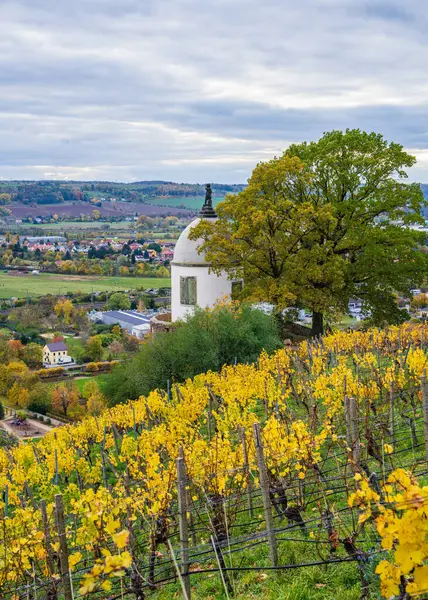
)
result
[(327, 221)]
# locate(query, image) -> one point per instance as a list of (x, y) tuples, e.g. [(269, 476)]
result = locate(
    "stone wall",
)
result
[(161, 322)]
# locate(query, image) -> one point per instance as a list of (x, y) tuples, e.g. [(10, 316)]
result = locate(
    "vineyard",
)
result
[(314, 458)]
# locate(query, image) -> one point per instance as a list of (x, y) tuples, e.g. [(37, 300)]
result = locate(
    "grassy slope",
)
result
[(16, 286), (311, 583)]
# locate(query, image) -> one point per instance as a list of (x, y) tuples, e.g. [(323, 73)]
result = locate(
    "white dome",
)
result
[(186, 251)]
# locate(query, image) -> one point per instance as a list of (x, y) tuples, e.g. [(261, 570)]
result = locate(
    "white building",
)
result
[(192, 281), (136, 323), (56, 354)]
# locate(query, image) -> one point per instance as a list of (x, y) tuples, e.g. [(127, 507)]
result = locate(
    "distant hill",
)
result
[(160, 193), (41, 198)]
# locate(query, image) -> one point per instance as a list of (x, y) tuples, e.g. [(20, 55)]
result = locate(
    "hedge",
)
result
[(50, 373), (95, 367)]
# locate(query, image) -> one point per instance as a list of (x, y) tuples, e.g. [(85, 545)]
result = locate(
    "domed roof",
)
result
[(186, 251)]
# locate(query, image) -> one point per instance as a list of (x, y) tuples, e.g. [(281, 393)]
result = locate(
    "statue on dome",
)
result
[(207, 210), (208, 195)]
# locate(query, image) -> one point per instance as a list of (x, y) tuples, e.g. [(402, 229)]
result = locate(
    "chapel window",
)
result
[(188, 291)]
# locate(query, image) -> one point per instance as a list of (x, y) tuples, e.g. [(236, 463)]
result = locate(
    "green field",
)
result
[(192, 202), (19, 286), (99, 379)]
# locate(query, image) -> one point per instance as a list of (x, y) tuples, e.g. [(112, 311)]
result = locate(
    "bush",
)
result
[(119, 301), (107, 339), (40, 399), (95, 367), (99, 328), (50, 373), (206, 341), (2, 413), (48, 421)]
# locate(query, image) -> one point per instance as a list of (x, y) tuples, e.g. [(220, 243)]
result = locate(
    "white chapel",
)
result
[(193, 283)]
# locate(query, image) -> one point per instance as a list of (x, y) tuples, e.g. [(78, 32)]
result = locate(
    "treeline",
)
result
[(54, 192)]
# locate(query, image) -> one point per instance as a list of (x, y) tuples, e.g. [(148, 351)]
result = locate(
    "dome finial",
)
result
[(207, 211)]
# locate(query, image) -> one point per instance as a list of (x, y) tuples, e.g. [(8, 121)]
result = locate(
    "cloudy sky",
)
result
[(201, 90)]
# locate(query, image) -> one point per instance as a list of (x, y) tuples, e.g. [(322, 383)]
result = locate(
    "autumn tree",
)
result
[(116, 330), (65, 398), (140, 269), (64, 310), (15, 349), (96, 404), (94, 348), (18, 396), (32, 355), (13, 372), (57, 337), (115, 348), (327, 221), (90, 388), (419, 301)]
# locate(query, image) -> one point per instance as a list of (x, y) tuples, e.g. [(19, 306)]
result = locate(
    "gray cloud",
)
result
[(190, 90)]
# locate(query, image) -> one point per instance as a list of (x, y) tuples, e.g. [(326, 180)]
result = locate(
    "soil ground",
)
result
[(30, 428)]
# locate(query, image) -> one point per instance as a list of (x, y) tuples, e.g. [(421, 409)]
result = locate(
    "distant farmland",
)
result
[(19, 286), (107, 209), (192, 202)]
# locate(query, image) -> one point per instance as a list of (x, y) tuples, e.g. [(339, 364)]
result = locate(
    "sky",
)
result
[(202, 90)]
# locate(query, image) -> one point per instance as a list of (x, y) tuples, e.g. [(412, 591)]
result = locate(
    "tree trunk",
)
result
[(317, 323)]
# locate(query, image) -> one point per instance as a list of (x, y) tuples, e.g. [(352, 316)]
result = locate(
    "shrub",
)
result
[(50, 373), (2, 414), (206, 341), (119, 301), (95, 367)]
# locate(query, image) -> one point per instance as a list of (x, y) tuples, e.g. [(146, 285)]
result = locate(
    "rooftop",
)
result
[(57, 346), (129, 316)]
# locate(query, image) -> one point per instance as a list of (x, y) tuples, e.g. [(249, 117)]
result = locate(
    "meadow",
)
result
[(19, 286), (192, 202)]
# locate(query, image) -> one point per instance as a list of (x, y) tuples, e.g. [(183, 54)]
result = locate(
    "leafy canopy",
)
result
[(327, 221), (206, 341)]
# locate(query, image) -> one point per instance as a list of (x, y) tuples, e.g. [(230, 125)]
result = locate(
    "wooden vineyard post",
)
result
[(246, 469), (391, 414), (182, 517), (347, 421), (264, 485), (355, 438), (103, 459), (352, 433), (63, 550), (47, 537), (424, 388)]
